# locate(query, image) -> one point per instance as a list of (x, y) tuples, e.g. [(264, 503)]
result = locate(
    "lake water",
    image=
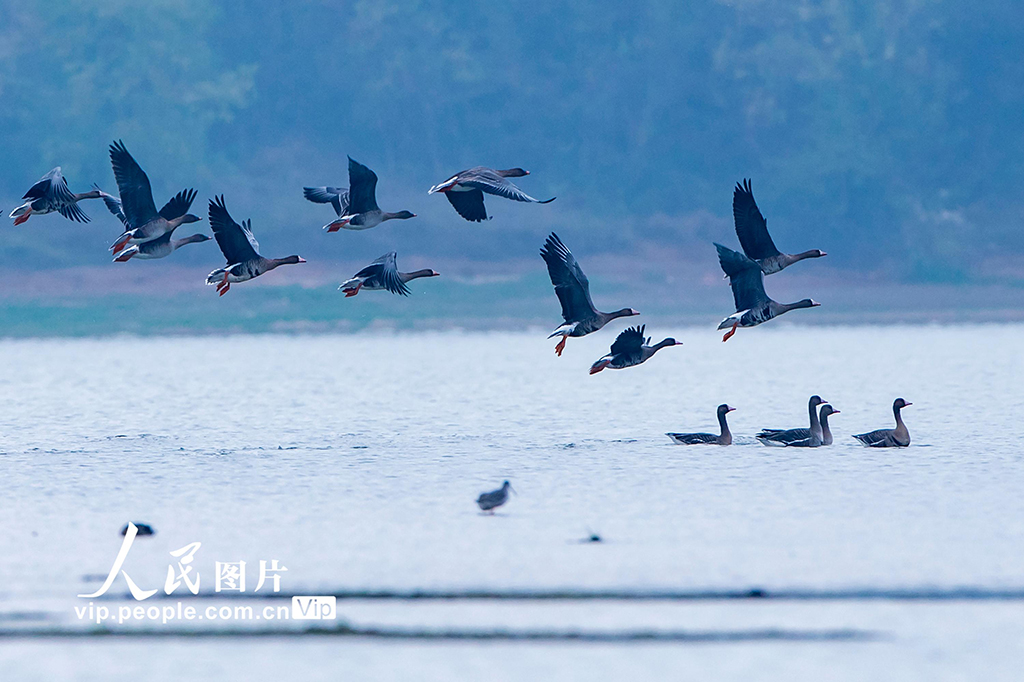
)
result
[(354, 460)]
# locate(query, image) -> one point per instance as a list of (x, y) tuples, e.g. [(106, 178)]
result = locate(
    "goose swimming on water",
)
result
[(807, 438), (488, 502), (889, 438), (800, 437), (630, 349), (752, 230), (51, 194), (753, 307), (573, 290), (357, 208), (383, 274), (240, 248), (465, 190), (725, 438), (143, 223)]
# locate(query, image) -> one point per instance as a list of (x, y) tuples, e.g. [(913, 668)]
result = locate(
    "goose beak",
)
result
[(731, 409), (512, 489), (834, 411), (302, 260), (907, 404)]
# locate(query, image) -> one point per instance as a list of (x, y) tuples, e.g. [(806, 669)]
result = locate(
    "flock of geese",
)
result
[(148, 234)]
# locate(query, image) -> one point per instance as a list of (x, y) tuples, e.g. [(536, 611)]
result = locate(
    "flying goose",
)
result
[(357, 208), (143, 223), (383, 274), (488, 502), (752, 229), (51, 194), (889, 438), (753, 307), (810, 438), (240, 248), (160, 247), (725, 438), (800, 437), (465, 190), (573, 290), (629, 349)]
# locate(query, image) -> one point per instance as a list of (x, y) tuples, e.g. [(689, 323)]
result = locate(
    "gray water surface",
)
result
[(354, 460)]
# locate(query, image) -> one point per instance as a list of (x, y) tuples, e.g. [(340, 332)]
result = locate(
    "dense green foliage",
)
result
[(887, 132)]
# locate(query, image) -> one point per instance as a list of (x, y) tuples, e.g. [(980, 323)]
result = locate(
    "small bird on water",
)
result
[(488, 502)]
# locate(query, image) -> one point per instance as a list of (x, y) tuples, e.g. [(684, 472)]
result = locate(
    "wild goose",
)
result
[(240, 248), (808, 438), (725, 438), (752, 230), (629, 349), (465, 190), (800, 437), (753, 307), (573, 290), (889, 438), (357, 208), (383, 274), (51, 194), (488, 502), (160, 247), (143, 223)]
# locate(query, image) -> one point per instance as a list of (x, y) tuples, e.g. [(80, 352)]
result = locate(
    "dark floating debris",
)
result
[(144, 529)]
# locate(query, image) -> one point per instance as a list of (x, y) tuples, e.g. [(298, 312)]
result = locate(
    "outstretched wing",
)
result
[(362, 188), (751, 227), (336, 196), (385, 270), (469, 205), (571, 286), (178, 205), (488, 180), (629, 341), (73, 212), (133, 187), (745, 278), (235, 241), (112, 203), (52, 187)]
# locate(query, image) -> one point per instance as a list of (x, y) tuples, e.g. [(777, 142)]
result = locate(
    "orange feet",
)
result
[(22, 218), (352, 292), (223, 290), (125, 257), (728, 334), (560, 347)]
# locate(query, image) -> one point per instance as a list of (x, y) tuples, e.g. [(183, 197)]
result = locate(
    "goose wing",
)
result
[(335, 196), (487, 180), (362, 188), (178, 205), (745, 279), (385, 270), (52, 187), (235, 241), (133, 186), (113, 205), (629, 342), (751, 227), (469, 205), (571, 286)]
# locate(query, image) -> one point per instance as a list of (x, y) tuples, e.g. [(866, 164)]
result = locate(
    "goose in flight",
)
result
[(356, 207), (573, 290), (465, 190), (753, 307), (143, 223), (752, 230), (383, 274), (630, 349), (161, 247), (240, 249), (51, 194)]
